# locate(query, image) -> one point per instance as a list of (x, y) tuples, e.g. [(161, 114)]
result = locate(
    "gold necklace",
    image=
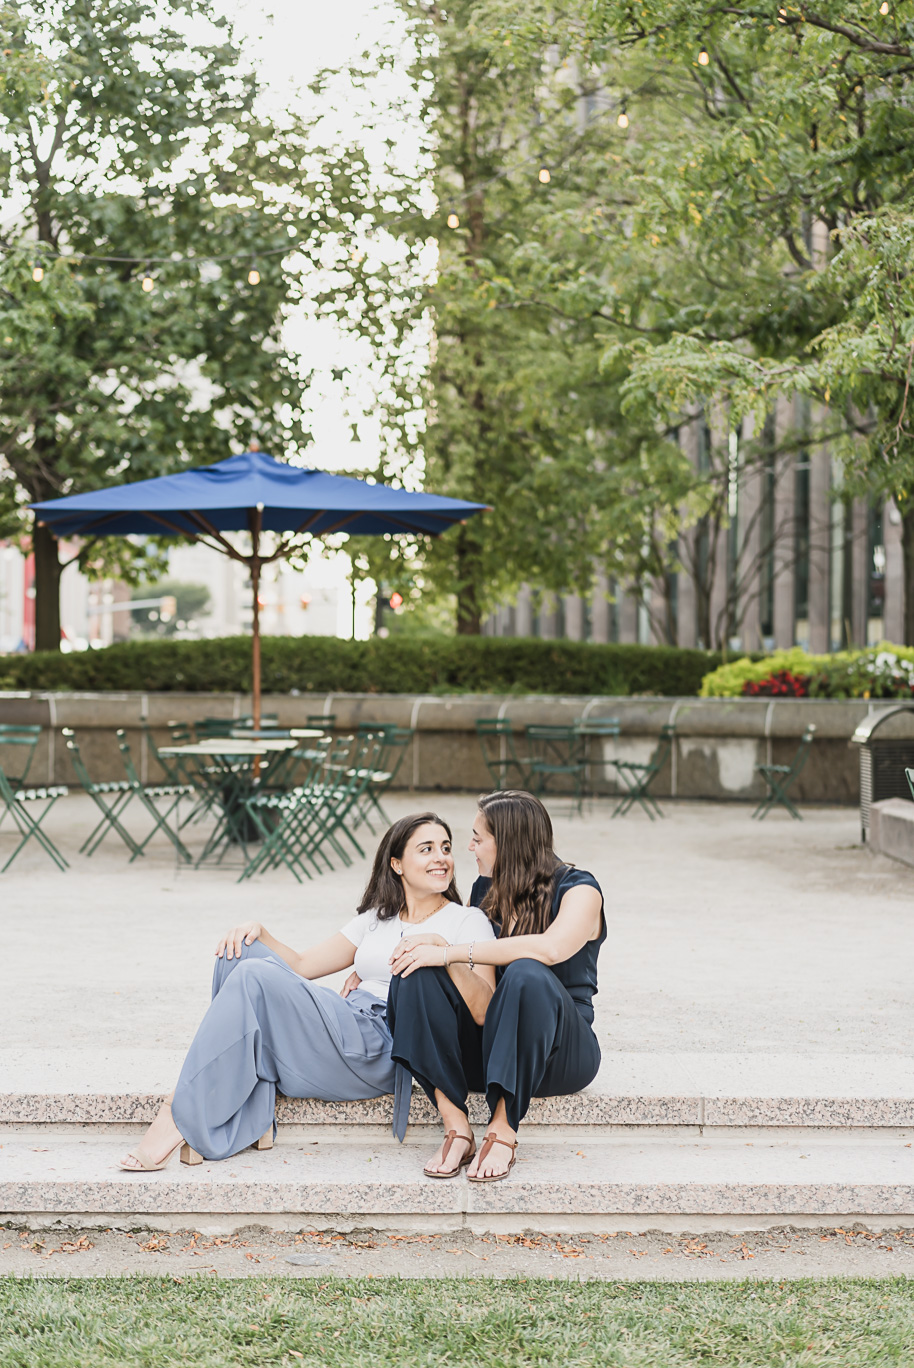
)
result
[(441, 905)]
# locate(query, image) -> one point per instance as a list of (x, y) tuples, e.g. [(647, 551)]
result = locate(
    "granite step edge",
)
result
[(576, 1109), (572, 1198)]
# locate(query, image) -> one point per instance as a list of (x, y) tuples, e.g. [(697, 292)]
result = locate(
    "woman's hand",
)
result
[(350, 985), (409, 943), (426, 952), (231, 944)]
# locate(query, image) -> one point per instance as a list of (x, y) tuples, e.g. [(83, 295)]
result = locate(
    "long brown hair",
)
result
[(523, 876), (384, 890)]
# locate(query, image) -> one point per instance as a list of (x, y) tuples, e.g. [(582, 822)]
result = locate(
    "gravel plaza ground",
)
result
[(725, 935)]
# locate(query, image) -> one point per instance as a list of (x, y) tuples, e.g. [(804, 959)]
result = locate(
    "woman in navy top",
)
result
[(533, 1036)]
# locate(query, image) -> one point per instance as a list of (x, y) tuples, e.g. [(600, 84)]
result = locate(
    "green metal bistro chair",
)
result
[(25, 738), (147, 793), (170, 765), (636, 779), (16, 801), (593, 732), (112, 798), (208, 728), (16, 762), (296, 826), (556, 754), (394, 744), (496, 738), (325, 720), (779, 778)]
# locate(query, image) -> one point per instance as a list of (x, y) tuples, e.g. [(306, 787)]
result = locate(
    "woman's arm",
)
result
[(328, 957), (578, 922), (475, 986)]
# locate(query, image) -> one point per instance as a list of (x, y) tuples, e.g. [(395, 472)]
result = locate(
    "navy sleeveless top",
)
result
[(579, 973)]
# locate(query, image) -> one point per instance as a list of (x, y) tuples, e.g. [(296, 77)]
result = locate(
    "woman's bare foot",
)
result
[(499, 1157), (454, 1120), (160, 1140)]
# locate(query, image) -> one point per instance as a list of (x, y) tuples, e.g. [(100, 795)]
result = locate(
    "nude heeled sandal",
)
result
[(266, 1140), (187, 1156), (449, 1139), (487, 1143)]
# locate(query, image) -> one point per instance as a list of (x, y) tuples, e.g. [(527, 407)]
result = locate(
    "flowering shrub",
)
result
[(781, 684), (883, 671), (729, 681)]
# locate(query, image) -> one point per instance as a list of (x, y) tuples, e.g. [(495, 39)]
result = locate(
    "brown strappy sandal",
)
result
[(470, 1155), (487, 1143)]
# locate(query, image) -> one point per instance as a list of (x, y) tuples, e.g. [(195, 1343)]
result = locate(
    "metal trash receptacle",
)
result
[(886, 741)]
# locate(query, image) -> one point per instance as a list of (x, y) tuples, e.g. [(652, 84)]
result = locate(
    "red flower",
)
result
[(780, 684)]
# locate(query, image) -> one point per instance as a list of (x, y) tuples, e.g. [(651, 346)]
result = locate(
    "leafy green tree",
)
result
[(488, 308), (132, 149), (191, 602), (776, 218)]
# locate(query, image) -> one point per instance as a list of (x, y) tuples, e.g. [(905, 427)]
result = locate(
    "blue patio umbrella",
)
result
[(252, 493)]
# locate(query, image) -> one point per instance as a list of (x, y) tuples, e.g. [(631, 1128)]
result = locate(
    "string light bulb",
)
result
[(38, 274), (545, 175), (452, 220), (148, 284), (622, 120), (703, 57), (253, 276), (884, 7)]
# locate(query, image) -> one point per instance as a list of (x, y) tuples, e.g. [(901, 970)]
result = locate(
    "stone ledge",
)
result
[(297, 1177), (63, 1087), (719, 742)]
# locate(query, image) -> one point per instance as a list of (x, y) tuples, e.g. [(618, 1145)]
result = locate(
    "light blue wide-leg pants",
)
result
[(268, 1028)]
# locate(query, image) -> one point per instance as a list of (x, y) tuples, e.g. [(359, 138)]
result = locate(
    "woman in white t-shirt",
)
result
[(270, 1028)]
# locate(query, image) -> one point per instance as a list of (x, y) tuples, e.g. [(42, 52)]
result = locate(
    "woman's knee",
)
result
[(527, 974), (419, 986)]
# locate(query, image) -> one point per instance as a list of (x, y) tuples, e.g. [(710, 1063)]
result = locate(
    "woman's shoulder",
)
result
[(468, 922), (569, 876), (361, 925)]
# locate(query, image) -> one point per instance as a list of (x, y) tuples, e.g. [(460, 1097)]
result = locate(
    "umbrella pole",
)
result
[(255, 646), (256, 521)]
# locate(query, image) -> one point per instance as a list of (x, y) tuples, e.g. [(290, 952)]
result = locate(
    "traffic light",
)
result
[(168, 608), (396, 601)]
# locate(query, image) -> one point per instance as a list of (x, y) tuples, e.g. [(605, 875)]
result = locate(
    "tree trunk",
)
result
[(907, 553), (47, 589), (469, 616)]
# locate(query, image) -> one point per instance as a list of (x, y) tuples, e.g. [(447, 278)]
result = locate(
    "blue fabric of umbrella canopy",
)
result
[(220, 498), (252, 493)]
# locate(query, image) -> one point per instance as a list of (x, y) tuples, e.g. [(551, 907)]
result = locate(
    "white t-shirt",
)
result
[(375, 940)]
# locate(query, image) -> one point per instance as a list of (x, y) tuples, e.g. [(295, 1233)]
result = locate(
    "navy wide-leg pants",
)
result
[(535, 1041)]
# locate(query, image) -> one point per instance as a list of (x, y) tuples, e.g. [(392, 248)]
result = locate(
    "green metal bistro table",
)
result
[(226, 767)]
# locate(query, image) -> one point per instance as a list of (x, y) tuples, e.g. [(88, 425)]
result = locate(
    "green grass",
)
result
[(484, 1323)]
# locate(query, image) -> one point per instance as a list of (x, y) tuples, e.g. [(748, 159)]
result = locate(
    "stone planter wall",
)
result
[(718, 742)]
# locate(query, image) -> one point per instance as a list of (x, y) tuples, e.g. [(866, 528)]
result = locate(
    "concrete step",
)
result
[(303, 1184), (112, 1086)]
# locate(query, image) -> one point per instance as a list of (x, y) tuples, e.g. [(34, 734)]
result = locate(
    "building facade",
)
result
[(786, 558)]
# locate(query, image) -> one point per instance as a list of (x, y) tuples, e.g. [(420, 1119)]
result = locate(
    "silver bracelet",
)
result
[(470, 955)]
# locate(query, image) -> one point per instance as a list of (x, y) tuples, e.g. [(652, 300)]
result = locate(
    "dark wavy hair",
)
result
[(523, 876), (384, 890)]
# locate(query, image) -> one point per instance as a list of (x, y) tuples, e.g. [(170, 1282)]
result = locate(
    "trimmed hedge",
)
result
[(329, 665)]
